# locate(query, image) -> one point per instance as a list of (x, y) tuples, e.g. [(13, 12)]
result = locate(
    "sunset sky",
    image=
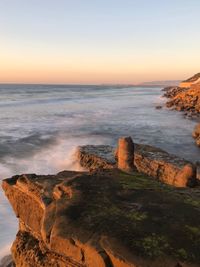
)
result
[(98, 41)]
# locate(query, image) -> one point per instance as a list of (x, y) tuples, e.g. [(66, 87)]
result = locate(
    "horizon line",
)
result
[(87, 84)]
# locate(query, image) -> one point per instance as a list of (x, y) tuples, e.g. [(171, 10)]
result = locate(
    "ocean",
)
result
[(42, 125)]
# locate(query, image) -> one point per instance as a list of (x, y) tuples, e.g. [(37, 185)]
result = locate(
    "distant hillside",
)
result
[(193, 78), (161, 83)]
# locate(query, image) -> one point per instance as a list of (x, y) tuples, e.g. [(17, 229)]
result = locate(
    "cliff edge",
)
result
[(103, 219)]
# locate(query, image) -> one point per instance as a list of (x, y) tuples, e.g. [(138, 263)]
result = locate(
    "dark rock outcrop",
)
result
[(172, 91), (7, 261), (92, 158)]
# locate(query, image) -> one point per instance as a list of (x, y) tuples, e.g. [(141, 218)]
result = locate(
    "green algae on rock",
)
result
[(118, 219)]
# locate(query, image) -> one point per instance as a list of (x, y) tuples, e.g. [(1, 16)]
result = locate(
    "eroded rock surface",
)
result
[(105, 219), (147, 159), (184, 99), (99, 157), (164, 166), (125, 154), (196, 134)]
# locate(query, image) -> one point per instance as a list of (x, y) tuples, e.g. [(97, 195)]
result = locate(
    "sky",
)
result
[(98, 41)]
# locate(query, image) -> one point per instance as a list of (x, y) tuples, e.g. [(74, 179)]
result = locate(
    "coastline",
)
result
[(153, 104), (66, 207), (186, 99)]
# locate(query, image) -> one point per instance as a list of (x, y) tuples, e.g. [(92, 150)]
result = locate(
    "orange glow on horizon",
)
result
[(46, 64)]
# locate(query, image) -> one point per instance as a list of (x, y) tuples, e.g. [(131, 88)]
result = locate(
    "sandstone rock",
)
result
[(103, 219), (196, 131), (125, 154), (165, 167), (196, 134), (184, 99), (92, 159), (149, 160), (186, 177)]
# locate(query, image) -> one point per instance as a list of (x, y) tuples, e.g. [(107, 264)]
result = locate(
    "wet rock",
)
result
[(158, 107), (91, 158), (196, 131), (196, 134)]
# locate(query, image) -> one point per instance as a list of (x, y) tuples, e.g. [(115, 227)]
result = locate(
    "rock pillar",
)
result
[(125, 154)]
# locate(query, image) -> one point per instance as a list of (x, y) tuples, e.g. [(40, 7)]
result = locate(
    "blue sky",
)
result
[(92, 41)]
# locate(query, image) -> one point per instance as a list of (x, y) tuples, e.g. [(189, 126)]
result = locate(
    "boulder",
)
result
[(165, 167), (196, 131), (196, 134), (103, 219), (159, 107), (91, 158)]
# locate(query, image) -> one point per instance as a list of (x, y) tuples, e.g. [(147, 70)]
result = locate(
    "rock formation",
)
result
[(93, 157), (191, 81), (125, 154), (185, 99), (196, 134), (108, 217), (147, 159), (103, 219)]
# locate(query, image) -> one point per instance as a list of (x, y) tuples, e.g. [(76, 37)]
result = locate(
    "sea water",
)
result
[(41, 126)]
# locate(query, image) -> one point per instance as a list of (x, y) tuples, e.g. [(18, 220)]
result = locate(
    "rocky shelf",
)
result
[(106, 217), (150, 160)]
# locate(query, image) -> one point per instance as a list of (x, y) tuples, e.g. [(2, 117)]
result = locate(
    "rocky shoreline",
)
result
[(186, 99), (134, 205), (106, 217), (150, 160)]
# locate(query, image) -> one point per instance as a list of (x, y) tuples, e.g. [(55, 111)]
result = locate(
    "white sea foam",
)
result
[(5, 251), (51, 160)]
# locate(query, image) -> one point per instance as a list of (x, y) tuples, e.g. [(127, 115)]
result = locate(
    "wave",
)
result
[(58, 155)]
